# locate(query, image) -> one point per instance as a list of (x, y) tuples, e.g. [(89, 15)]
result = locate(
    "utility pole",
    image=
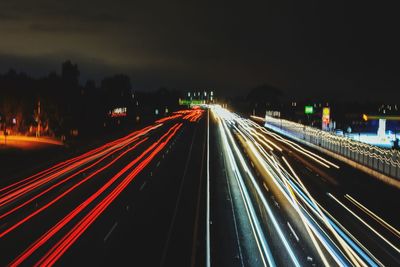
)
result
[(38, 120), (5, 131), (5, 134)]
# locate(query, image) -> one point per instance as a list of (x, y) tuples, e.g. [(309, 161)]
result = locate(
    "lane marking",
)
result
[(208, 254), (177, 203), (196, 221), (293, 232), (142, 186), (259, 237), (110, 232), (234, 219)]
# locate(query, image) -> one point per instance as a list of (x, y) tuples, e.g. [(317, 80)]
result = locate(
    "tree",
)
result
[(70, 73)]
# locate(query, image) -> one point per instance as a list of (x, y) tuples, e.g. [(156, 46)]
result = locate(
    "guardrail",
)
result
[(384, 161)]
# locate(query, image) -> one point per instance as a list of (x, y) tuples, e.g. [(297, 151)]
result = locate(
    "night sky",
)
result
[(307, 48)]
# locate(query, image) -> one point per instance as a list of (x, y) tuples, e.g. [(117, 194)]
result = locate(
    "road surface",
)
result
[(201, 187), (312, 209)]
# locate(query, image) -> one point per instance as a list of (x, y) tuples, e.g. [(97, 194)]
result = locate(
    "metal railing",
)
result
[(385, 161)]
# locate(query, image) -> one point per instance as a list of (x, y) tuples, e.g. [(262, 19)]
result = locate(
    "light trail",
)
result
[(374, 216), (278, 229), (47, 205), (262, 245), (365, 223), (64, 173), (297, 130), (91, 152), (335, 256), (346, 248), (321, 160), (208, 222), (172, 117), (303, 219), (266, 205), (24, 190), (67, 241), (339, 234), (351, 251), (268, 141), (61, 182), (355, 259), (26, 185), (157, 146)]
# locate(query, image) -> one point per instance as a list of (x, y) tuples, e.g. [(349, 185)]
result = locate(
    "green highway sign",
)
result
[(308, 109), (190, 102)]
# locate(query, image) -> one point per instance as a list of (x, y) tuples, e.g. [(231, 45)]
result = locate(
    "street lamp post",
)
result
[(5, 134)]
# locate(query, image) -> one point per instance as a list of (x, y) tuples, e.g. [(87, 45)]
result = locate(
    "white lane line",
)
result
[(293, 232), (265, 252), (142, 186), (208, 253), (178, 202), (109, 232), (158, 164), (234, 219)]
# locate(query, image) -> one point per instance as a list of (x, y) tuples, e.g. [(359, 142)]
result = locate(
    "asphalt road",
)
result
[(144, 206), (147, 199), (233, 241), (345, 184), (347, 194), (312, 210)]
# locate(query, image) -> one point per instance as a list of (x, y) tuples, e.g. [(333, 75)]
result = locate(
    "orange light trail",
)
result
[(59, 249), (65, 180), (157, 146), (168, 118), (40, 175), (36, 212), (32, 184)]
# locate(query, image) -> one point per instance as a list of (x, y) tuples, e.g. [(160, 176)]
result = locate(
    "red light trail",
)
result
[(72, 176), (56, 184), (2, 234), (51, 170), (157, 146)]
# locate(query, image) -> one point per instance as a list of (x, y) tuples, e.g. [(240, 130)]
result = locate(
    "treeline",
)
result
[(59, 106)]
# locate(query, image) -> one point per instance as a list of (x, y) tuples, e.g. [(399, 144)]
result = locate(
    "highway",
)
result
[(312, 210), (201, 187), (138, 199)]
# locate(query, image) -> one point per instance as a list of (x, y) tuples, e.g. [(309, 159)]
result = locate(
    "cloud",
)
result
[(310, 47)]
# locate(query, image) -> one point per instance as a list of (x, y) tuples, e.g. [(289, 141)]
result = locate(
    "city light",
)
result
[(118, 112)]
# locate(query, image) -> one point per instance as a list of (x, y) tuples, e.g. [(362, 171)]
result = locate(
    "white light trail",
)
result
[(365, 223), (373, 215)]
